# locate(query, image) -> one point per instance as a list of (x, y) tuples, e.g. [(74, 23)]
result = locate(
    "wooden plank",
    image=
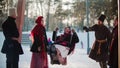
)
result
[(20, 17), (118, 33)]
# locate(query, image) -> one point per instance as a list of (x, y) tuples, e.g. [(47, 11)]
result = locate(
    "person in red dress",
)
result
[(38, 49)]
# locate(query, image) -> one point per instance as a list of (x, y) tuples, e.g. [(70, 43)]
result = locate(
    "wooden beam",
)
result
[(118, 33), (20, 17)]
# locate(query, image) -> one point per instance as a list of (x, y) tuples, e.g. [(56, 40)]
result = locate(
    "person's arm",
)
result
[(57, 39), (14, 32), (75, 38), (31, 37), (93, 28), (46, 42), (54, 36)]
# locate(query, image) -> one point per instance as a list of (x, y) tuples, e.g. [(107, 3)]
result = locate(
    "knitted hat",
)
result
[(12, 11)]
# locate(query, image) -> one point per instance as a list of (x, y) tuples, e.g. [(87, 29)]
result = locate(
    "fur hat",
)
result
[(12, 11), (102, 18)]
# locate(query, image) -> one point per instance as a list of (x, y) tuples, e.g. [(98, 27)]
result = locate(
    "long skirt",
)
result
[(39, 60)]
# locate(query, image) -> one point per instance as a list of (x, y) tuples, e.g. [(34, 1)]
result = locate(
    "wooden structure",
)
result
[(119, 33), (20, 18)]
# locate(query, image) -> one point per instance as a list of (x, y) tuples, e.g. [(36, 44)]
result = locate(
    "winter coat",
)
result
[(10, 30), (113, 58), (99, 51), (40, 38)]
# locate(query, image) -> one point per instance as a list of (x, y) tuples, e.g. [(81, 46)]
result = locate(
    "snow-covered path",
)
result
[(78, 60)]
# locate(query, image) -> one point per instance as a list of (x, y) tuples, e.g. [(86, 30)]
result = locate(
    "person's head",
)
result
[(67, 30), (39, 20), (116, 22), (12, 12), (101, 19)]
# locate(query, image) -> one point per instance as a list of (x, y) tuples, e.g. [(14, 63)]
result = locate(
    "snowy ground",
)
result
[(78, 60)]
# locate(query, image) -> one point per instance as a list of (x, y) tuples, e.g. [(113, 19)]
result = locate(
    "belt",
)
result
[(100, 42)]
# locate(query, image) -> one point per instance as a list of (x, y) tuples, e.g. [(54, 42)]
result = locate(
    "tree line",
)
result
[(53, 12)]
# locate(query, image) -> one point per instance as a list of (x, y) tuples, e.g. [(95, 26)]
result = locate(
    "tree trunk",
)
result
[(47, 20), (10, 3)]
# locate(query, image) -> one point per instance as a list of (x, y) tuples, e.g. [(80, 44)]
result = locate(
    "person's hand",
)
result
[(14, 38), (39, 49), (56, 29)]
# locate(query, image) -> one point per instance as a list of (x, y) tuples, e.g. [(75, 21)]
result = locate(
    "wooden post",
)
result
[(20, 16), (118, 33)]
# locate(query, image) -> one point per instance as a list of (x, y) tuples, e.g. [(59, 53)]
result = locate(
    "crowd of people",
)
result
[(104, 49)]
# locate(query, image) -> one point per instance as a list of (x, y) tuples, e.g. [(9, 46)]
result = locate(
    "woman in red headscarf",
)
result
[(38, 49)]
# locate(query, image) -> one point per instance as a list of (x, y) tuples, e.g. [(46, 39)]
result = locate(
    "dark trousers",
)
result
[(114, 65), (103, 64), (12, 60)]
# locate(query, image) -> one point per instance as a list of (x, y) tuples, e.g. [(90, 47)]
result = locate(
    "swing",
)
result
[(59, 53)]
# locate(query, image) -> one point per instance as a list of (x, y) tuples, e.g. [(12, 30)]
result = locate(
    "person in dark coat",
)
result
[(11, 47), (99, 51), (38, 49), (113, 61), (68, 39)]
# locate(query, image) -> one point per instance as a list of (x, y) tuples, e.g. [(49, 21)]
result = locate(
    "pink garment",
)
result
[(39, 60)]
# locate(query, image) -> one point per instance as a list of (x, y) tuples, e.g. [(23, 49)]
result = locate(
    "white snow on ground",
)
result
[(78, 60)]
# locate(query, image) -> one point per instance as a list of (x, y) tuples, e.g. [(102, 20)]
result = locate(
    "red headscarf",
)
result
[(39, 19), (38, 29)]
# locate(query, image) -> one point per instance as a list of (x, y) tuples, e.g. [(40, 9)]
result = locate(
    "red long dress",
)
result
[(39, 60)]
